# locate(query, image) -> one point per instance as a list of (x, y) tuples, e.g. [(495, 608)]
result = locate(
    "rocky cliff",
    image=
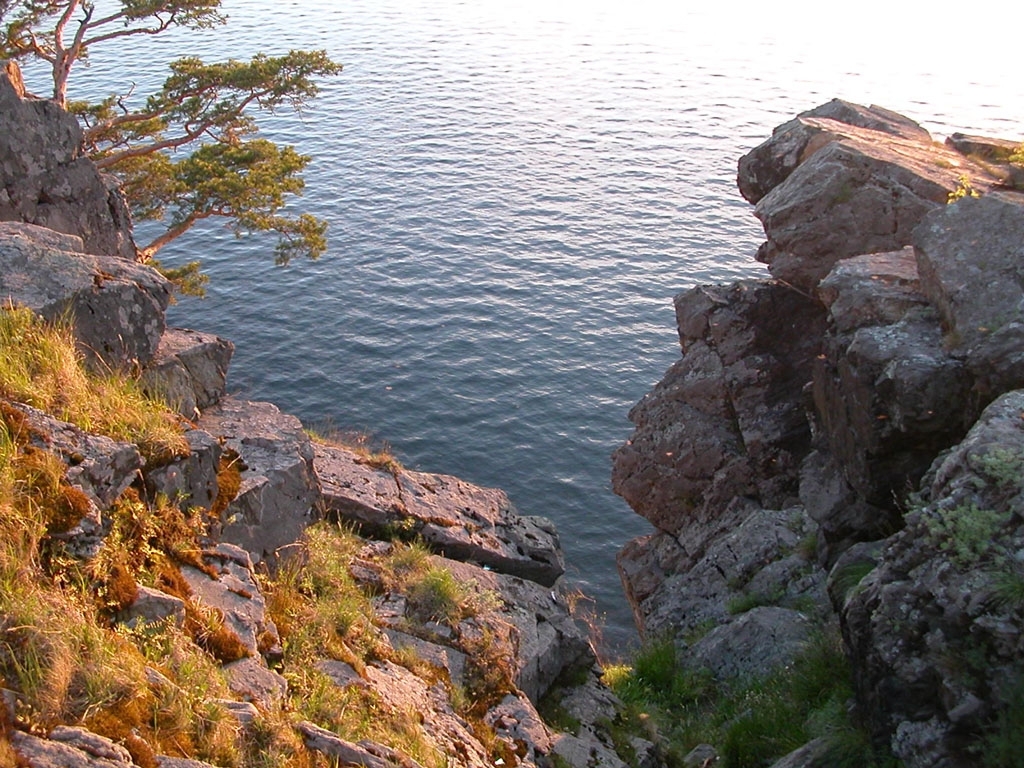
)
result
[(258, 587), (852, 426)]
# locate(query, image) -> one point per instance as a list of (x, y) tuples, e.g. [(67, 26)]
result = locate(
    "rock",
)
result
[(245, 712), (753, 562), (455, 518), (873, 289), (278, 488), (250, 679), (365, 753), (853, 190), (341, 674), (237, 596), (46, 180), (701, 756), (516, 722), (151, 606), (165, 761), (755, 644), (401, 691), (593, 706), (941, 593), (814, 754), (69, 748), (971, 260), (443, 658), (116, 306), (101, 467), (993, 150), (768, 165), (189, 481), (189, 370), (728, 419), (882, 396)]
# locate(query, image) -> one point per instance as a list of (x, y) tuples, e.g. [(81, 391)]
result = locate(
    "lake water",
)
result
[(516, 191)]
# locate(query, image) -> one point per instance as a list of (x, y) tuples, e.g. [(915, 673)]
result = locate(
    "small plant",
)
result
[(963, 189), (1003, 744), (1009, 586), (965, 531), (744, 602)]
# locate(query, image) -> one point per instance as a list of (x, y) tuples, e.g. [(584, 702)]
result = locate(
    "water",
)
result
[(516, 190)]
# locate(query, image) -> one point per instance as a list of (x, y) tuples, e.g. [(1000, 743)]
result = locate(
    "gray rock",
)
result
[(46, 180), (189, 370), (236, 594), (341, 674), (444, 658), (165, 761), (882, 396), (460, 520), (545, 641), (753, 561), (69, 747), (854, 190), (516, 721), (251, 680), (189, 481), (873, 289), (151, 606), (116, 306), (101, 467), (701, 756), (402, 691), (971, 260), (939, 594), (755, 644), (814, 754), (278, 485), (365, 753), (995, 150)]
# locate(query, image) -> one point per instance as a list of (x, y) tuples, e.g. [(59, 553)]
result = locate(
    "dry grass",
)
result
[(40, 366)]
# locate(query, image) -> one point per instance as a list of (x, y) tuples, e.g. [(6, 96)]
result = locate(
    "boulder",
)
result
[(757, 643), (769, 164), (827, 189), (873, 289), (366, 753), (278, 490), (934, 630), (103, 468), (151, 606), (189, 370), (236, 594), (757, 562), (191, 480), (971, 259), (46, 180), (457, 519), (252, 681), (69, 748), (116, 306)]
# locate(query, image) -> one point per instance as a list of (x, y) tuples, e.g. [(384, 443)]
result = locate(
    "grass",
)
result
[(40, 366), (751, 722)]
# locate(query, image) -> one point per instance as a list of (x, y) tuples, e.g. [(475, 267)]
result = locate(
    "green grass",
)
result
[(751, 722)]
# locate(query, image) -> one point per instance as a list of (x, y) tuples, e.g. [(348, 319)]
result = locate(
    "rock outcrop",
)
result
[(866, 419), (46, 178)]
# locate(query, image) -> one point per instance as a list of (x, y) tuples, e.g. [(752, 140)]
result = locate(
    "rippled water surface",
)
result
[(516, 190)]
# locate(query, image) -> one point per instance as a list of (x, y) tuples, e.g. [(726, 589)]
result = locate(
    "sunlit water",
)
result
[(516, 190)]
